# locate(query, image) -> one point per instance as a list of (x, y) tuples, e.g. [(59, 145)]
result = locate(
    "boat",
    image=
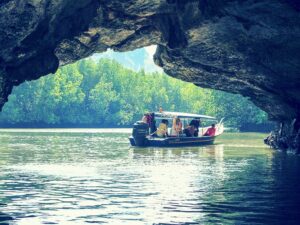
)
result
[(143, 134)]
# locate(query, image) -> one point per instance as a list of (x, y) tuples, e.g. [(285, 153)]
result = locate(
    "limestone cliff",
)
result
[(248, 47)]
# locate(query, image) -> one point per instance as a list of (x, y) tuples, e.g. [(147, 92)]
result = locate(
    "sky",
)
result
[(138, 59)]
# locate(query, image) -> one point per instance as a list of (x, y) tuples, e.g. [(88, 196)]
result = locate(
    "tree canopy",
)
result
[(106, 94)]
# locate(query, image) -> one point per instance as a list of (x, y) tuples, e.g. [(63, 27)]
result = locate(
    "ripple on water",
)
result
[(65, 177)]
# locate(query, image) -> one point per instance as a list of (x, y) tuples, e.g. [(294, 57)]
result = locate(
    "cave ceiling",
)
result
[(247, 47)]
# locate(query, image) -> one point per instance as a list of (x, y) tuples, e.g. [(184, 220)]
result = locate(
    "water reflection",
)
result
[(181, 182), (214, 150), (5, 219), (83, 178)]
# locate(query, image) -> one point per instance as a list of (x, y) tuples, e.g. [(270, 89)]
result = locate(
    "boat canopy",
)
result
[(182, 115)]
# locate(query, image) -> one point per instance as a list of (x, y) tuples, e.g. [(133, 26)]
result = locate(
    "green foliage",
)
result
[(104, 93), (236, 109)]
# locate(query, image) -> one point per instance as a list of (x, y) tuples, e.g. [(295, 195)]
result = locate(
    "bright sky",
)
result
[(145, 63), (151, 49), (150, 66)]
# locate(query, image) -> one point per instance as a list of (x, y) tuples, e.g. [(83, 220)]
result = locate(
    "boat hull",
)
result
[(175, 141)]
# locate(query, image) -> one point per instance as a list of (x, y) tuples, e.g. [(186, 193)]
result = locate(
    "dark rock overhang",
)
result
[(246, 47)]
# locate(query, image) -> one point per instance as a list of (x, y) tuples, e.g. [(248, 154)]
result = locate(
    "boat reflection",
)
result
[(216, 151), (4, 217)]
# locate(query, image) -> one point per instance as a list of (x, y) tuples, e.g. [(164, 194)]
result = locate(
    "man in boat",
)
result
[(189, 131), (196, 124), (162, 130), (152, 124), (211, 131), (147, 118)]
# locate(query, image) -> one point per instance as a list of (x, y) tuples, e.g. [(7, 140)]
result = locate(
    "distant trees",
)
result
[(104, 93)]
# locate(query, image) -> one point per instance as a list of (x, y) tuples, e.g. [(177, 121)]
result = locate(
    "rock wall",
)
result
[(248, 47), (285, 137)]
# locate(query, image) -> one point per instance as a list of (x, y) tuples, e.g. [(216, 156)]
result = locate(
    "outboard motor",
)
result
[(139, 132)]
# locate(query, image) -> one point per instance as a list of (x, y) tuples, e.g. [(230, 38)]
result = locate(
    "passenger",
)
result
[(160, 109), (162, 130), (173, 129), (196, 124), (176, 127), (189, 131), (145, 119), (211, 131), (152, 124)]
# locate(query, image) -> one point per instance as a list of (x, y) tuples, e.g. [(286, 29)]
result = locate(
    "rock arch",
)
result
[(247, 47)]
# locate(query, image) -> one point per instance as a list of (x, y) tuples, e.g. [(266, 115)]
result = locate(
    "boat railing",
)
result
[(220, 127), (202, 130)]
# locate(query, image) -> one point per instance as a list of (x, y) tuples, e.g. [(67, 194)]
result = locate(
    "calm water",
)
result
[(93, 176)]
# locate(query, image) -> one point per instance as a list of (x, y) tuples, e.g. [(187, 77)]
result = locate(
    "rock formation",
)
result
[(248, 47)]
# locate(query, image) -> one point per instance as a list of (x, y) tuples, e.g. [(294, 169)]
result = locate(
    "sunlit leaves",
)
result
[(105, 93)]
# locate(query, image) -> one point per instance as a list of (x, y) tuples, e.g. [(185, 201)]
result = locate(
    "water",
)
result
[(91, 176)]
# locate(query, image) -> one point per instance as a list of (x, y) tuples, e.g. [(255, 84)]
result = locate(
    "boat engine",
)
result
[(139, 132)]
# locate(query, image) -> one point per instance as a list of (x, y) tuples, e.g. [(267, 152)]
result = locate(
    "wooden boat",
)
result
[(143, 134)]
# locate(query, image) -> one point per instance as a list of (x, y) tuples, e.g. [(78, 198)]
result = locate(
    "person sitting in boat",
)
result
[(176, 127), (152, 124), (189, 131), (144, 119), (162, 130), (196, 124), (211, 131), (147, 118)]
